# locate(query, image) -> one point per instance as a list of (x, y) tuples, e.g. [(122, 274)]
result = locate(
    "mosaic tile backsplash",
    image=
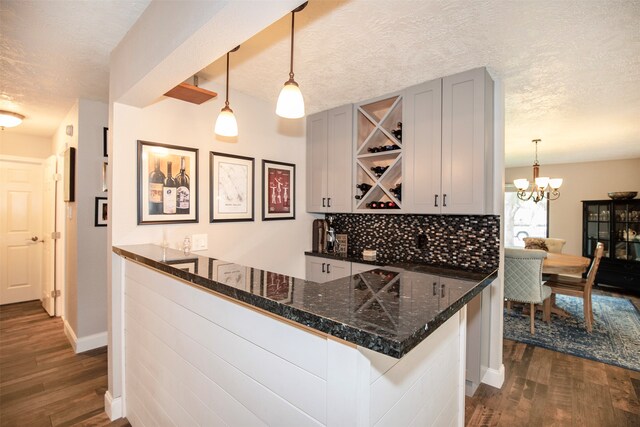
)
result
[(471, 242)]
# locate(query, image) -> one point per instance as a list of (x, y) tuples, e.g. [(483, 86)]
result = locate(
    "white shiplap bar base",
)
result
[(194, 358)]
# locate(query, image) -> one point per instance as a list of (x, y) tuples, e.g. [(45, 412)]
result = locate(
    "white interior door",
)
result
[(49, 224), (20, 231)]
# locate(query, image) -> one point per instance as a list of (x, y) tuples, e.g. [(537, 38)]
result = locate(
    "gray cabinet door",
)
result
[(467, 141), (339, 159), (317, 162), (422, 141)]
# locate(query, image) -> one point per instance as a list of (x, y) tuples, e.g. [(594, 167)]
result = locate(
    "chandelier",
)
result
[(542, 186)]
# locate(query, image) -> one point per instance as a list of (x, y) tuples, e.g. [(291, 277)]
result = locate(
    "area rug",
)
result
[(615, 339)]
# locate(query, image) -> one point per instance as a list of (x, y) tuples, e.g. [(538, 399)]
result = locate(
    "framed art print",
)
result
[(105, 139), (231, 188), (278, 190), (70, 174), (167, 183), (102, 212)]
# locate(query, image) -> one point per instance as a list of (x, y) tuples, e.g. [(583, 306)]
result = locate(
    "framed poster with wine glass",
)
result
[(167, 183)]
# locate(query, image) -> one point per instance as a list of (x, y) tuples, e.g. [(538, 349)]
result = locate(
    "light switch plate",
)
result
[(199, 242)]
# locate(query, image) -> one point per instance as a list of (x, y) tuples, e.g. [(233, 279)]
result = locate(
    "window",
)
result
[(523, 219)]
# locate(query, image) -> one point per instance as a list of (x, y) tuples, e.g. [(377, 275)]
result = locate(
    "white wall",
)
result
[(274, 245), (66, 247), (92, 240), (582, 181), (83, 268), (17, 144)]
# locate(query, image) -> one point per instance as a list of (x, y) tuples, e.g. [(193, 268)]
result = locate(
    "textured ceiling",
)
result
[(53, 52), (571, 69)]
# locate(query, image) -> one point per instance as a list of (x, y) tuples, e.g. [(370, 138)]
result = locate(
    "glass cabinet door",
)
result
[(598, 229), (626, 230)]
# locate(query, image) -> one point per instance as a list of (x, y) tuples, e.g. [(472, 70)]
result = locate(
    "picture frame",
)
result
[(188, 265), (231, 188), (278, 190), (105, 136), (278, 287), (70, 174), (104, 177), (102, 212), (161, 201)]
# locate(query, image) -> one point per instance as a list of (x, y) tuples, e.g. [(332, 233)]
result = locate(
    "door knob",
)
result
[(34, 238)]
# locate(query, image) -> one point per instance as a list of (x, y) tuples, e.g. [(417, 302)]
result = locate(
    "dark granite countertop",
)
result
[(389, 309)]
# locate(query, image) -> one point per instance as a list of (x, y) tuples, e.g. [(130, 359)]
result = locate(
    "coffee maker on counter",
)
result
[(324, 236)]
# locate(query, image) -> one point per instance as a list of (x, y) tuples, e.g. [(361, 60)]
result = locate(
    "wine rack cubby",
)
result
[(379, 154)]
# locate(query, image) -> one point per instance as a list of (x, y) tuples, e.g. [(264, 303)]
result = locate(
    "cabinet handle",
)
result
[(323, 199), (323, 264), (442, 291), (328, 271), (329, 202), (444, 200), (435, 201), (435, 289)]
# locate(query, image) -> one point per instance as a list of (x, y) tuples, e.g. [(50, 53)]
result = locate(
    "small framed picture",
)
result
[(277, 287), (167, 183), (278, 190), (231, 190), (188, 265), (70, 174), (102, 212), (105, 135), (104, 176)]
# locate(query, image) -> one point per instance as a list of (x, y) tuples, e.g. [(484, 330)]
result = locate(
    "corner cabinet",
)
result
[(329, 160), (615, 223)]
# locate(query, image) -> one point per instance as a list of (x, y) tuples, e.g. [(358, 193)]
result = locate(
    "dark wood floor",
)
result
[(546, 388), (42, 381)]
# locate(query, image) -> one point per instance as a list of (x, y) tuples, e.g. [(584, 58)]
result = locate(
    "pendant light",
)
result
[(9, 119), (290, 102), (226, 124)]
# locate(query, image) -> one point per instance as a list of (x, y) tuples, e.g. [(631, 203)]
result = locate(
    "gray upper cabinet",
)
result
[(423, 146), (467, 143), (449, 145), (329, 157)]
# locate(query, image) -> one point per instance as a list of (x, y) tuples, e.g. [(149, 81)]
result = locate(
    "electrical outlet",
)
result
[(421, 241), (199, 242)]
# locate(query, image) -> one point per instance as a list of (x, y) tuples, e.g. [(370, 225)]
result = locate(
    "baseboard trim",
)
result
[(494, 377), (87, 343), (113, 407)]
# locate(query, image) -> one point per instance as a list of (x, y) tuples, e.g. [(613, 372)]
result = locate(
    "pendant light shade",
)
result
[(290, 102), (9, 119), (226, 124)]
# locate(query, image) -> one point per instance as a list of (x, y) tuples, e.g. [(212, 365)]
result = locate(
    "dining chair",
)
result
[(523, 281), (552, 244), (578, 287)]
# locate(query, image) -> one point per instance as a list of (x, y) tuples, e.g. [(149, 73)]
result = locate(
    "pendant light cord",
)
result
[(226, 102), (293, 17)]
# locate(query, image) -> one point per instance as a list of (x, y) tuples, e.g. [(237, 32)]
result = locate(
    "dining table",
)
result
[(556, 263)]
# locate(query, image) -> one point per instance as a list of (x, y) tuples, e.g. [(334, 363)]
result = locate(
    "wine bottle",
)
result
[(397, 191), (182, 196), (169, 193), (156, 182), (379, 170), (363, 188), (372, 205), (398, 132), (373, 149)]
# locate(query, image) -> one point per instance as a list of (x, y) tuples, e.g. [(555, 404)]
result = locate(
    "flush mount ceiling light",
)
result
[(9, 119), (226, 124), (542, 186), (290, 102)]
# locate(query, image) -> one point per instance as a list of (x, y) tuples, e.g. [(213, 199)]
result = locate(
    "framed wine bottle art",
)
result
[(167, 183)]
